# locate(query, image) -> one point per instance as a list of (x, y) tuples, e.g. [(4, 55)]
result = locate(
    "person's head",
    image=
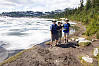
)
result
[(66, 20), (54, 21), (59, 23)]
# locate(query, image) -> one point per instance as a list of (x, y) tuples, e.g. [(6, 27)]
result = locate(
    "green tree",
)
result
[(93, 5), (88, 4), (81, 5)]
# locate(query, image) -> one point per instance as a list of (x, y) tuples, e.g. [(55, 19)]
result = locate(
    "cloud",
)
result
[(37, 5)]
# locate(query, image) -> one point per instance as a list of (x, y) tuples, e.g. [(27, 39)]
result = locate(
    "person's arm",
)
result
[(69, 28), (58, 28), (61, 28), (51, 34), (51, 30)]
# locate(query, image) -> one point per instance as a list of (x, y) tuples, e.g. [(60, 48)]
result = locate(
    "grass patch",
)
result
[(75, 37), (84, 36), (84, 44), (98, 61), (72, 24), (48, 43), (84, 33), (76, 27), (97, 57), (89, 38), (13, 58)]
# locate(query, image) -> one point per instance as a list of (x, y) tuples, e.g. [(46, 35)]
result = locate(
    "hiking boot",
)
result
[(50, 46), (60, 43), (66, 41), (56, 44)]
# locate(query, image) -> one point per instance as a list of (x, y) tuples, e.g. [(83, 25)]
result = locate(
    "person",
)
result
[(54, 33), (66, 30), (59, 28)]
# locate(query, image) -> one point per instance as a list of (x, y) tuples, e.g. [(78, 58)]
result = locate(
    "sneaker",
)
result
[(56, 44)]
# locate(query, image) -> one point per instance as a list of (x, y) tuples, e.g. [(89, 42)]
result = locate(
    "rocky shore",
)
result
[(63, 55)]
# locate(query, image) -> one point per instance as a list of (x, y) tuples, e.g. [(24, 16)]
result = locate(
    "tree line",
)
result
[(88, 14)]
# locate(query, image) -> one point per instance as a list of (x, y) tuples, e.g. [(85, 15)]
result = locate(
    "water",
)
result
[(23, 33)]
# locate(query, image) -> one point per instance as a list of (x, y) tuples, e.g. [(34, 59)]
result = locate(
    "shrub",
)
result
[(87, 43), (92, 28), (83, 33), (97, 35)]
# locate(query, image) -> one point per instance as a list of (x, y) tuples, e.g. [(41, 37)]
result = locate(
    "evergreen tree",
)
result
[(97, 3), (88, 4), (81, 5), (93, 3)]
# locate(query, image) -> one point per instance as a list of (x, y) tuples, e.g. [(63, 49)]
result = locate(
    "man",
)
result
[(66, 30), (59, 28), (54, 33)]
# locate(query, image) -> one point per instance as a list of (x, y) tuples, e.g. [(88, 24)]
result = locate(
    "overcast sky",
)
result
[(37, 5)]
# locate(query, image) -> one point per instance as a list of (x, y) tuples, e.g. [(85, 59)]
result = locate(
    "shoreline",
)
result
[(5, 54), (41, 44), (14, 52), (63, 55)]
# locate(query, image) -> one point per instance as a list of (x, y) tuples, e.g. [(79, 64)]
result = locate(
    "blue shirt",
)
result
[(53, 28), (66, 26)]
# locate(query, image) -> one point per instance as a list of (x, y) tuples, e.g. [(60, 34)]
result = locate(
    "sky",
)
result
[(37, 5)]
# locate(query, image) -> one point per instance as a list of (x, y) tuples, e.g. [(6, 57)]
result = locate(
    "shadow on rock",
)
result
[(70, 44)]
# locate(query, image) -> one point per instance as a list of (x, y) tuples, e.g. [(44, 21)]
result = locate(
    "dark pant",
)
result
[(54, 37)]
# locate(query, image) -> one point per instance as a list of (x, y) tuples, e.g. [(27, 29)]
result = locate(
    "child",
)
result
[(59, 28), (66, 30), (54, 33)]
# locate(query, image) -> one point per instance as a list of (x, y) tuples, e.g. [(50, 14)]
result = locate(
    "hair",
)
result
[(67, 20), (59, 22)]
